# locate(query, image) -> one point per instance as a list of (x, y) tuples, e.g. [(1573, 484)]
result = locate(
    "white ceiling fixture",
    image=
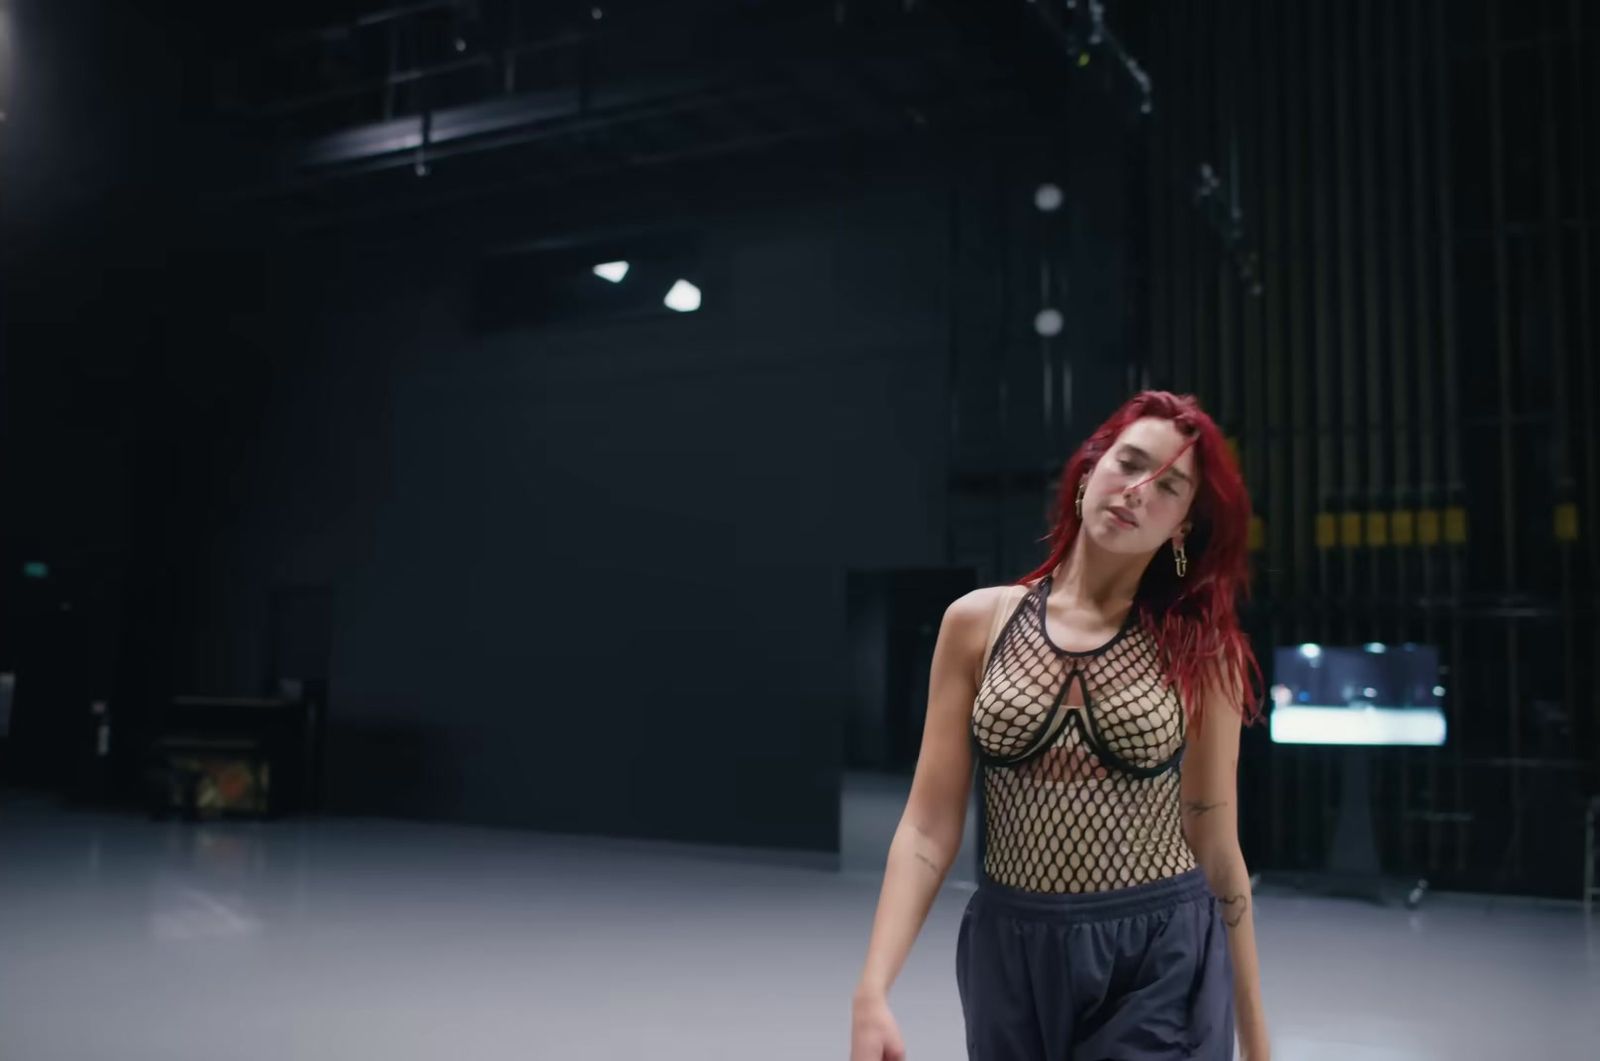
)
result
[(684, 297)]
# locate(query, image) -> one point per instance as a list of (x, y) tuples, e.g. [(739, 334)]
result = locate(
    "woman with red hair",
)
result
[(1102, 698)]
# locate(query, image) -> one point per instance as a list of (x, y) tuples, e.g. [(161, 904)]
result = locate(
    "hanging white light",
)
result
[(684, 297)]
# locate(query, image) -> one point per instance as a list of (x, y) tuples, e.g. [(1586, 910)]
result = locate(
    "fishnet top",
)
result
[(1080, 755)]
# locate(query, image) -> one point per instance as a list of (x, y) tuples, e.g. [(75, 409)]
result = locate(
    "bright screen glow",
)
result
[(1374, 694)]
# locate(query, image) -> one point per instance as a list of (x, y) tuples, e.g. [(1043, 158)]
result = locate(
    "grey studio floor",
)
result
[(346, 939)]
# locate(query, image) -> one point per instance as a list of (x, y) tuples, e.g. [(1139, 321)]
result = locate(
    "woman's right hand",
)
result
[(874, 1036), (929, 834)]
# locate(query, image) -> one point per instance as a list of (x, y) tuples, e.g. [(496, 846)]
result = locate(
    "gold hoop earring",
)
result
[(1180, 559), (1083, 488)]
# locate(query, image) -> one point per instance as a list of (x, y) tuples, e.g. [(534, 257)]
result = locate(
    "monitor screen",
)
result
[(1370, 694)]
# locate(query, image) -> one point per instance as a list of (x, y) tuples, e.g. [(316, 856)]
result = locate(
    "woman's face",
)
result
[(1124, 509)]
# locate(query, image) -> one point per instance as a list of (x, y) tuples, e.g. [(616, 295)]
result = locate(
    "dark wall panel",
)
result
[(593, 579)]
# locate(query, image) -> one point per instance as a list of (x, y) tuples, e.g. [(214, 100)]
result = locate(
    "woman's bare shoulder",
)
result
[(967, 622), (974, 609)]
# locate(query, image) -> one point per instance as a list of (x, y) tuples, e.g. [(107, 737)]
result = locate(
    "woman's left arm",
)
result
[(1211, 826)]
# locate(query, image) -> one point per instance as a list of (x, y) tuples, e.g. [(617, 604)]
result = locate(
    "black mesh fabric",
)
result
[(1080, 755)]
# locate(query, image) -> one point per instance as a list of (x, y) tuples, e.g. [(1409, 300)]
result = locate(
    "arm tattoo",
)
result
[(1198, 807), (1234, 907)]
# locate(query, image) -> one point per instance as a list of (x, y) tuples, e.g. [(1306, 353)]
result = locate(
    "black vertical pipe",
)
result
[(1555, 281), (1555, 274), (1202, 248), (1253, 438), (1401, 356), (1226, 152), (952, 356), (1296, 91), (508, 56), (1582, 99), (1507, 501), (1181, 377), (1270, 175), (1247, 118), (392, 68), (1045, 345), (1295, 136), (1457, 691), (1327, 149), (1332, 385), (1002, 393), (1427, 372), (1248, 318), (1391, 428), (1158, 191), (1361, 378)]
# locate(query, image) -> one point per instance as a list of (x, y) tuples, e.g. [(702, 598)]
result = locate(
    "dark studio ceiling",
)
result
[(354, 110)]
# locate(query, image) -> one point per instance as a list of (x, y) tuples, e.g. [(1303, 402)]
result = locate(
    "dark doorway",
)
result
[(893, 619), (893, 623), (299, 647)]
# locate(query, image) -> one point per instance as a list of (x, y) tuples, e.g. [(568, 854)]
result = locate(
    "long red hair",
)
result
[(1194, 619)]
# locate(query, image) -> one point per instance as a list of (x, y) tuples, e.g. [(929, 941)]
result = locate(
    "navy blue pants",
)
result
[(1137, 974)]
